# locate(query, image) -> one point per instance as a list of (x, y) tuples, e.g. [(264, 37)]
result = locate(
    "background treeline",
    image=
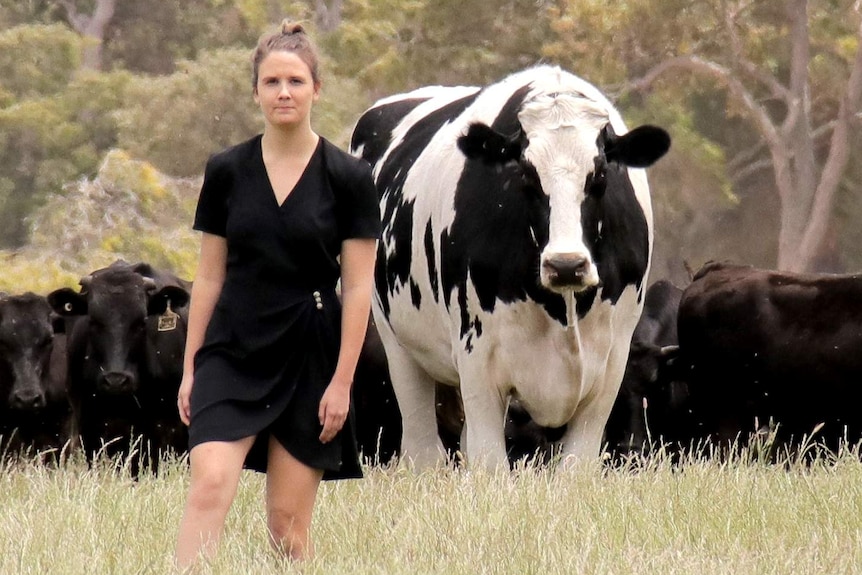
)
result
[(109, 109)]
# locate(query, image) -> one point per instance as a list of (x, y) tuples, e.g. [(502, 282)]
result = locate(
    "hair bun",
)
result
[(289, 28)]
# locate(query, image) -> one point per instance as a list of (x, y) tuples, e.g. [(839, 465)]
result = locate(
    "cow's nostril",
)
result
[(567, 269), (116, 380), (28, 400)]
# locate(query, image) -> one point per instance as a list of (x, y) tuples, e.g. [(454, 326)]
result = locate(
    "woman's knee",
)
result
[(288, 531)]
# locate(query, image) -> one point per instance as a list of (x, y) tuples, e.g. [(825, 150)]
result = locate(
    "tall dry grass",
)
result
[(702, 517)]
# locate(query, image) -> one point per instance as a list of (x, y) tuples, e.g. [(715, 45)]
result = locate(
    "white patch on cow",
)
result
[(562, 131)]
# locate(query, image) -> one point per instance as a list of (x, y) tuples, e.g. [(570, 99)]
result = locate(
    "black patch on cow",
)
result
[(393, 262), (490, 198), (373, 131), (415, 294), (430, 257), (615, 228)]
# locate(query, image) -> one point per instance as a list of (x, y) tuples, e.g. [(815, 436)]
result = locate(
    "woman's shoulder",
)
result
[(342, 165), (235, 155)]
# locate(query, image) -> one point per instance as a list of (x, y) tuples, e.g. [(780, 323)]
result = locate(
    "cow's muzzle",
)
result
[(568, 272), (27, 400), (117, 382)]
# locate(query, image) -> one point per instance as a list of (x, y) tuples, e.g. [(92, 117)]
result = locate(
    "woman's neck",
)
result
[(289, 141)]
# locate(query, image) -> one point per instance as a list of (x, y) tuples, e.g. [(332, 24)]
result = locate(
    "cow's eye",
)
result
[(597, 181)]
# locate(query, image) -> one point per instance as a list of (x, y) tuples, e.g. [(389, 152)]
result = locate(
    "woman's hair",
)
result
[(291, 37)]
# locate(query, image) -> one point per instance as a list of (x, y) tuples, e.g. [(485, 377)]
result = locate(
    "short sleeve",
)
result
[(211, 212), (360, 209)]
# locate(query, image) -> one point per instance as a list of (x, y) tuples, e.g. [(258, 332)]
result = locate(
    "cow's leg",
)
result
[(415, 392), (483, 440), (583, 438)]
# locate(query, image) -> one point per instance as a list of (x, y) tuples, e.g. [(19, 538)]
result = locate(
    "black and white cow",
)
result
[(516, 243), (35, 415), (126, 358), (770, 349)]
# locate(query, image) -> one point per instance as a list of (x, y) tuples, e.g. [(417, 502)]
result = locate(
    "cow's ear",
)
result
[(158, 304), (66, 302), (481, 142), (639, 148)]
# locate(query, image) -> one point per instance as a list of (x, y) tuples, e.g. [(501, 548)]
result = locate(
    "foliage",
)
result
[(177, 121), (129, 211), (37, 60), (152, 36), (40, 150), (179, 90), (406, 44)]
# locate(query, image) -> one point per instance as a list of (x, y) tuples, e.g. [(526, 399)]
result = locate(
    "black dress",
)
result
[(272, 342)]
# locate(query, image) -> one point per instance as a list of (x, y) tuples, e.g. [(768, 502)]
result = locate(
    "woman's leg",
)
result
[(215, 471), (291, 488)]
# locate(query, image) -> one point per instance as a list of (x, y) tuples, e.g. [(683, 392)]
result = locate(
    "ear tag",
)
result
[(168, 320)]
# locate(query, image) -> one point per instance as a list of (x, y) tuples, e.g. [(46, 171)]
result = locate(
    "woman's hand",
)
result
[(183, 397), (334, 407)]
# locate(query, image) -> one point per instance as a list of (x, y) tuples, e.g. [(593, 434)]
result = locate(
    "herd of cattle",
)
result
[(738, 350), (511, 314)]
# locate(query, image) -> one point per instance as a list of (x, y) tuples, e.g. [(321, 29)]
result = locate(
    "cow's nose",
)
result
[(27, 400), (116, 381), (566, 269)]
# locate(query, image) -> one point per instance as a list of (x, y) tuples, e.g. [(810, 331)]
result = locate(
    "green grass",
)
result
[(705, 517)]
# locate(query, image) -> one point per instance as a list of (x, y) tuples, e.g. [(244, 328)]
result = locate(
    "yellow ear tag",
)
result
[(168, 320)]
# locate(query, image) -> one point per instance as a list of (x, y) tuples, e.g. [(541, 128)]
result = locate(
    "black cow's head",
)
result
[(114, 304), (569, 153), (27, 326)]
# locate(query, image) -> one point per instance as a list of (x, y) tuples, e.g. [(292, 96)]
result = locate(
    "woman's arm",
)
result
[(357, 277), (206, 289)]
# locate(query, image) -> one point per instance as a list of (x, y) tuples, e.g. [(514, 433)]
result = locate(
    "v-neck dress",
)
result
[(271, 345)]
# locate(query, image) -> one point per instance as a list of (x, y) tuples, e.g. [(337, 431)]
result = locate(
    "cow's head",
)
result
[(116, 302), (566, 148), (26, 343)]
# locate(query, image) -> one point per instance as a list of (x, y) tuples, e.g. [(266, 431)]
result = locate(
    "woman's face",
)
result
[(285, 90)]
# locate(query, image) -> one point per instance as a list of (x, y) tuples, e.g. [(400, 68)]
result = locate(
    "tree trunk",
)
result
[(92, 27), (327, 16)]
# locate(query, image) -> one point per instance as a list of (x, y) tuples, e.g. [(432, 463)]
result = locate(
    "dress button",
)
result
[(316, 294), (319, 305)]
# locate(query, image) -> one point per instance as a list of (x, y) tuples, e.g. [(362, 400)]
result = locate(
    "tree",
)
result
[(393, 45), (177, 121), (803, 116)]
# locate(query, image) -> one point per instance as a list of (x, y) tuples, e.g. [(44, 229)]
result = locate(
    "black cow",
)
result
[(35, 415), (125, 360), (650, 405), (378, 419), (772, 349)]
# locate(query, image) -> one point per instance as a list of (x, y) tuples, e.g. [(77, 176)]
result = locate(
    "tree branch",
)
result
[(722, 75), (753, 71), (78, 21)]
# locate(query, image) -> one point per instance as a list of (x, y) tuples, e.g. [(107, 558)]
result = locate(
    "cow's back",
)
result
[(767, 346)]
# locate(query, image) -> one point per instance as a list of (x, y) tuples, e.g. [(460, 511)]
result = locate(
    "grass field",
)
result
[(701, 518)]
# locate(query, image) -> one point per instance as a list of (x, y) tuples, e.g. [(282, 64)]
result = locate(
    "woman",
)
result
[(270, 354)]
